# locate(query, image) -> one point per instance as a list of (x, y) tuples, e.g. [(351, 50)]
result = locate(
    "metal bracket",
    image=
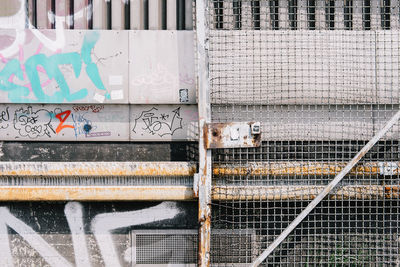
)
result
[(232, 134)]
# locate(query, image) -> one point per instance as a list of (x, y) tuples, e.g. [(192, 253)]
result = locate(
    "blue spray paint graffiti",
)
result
[(19, 93)]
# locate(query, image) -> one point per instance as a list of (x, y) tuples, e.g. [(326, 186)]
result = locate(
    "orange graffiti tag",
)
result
[(62, 120)]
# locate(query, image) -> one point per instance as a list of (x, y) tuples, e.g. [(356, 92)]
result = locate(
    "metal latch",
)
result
[(233, 134)]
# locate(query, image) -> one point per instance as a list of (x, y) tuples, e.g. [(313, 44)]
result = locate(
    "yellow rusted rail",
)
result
[(185, 193), (97, 169), (304, 168), (291, 192), (95, 193)]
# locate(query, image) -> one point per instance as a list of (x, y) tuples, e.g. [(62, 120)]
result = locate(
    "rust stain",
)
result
[(103, 169), (65, 193), (296, 168)]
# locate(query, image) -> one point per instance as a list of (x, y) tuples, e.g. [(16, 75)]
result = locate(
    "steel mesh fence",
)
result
[(322, 77)]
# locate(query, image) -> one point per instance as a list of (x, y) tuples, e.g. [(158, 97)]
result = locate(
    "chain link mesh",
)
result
[(322, 77)]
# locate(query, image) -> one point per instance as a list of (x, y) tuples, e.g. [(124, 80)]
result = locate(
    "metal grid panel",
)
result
[(322, 77)]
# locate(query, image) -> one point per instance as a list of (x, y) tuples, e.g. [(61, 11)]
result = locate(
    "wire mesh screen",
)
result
[(322, 77)]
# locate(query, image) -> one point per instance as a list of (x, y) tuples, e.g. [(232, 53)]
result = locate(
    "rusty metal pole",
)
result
[(204, 175)]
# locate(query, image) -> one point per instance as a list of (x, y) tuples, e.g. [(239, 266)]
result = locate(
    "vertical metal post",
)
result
[(204, 118), (109, 15), (90, 14), (34, 13), (127, 14), (53, 14), (71, 16)]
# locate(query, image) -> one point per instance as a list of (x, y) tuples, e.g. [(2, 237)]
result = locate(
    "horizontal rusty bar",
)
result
[(98, 193), (302, 168), (302, 192), (97, 168), (184, 193)]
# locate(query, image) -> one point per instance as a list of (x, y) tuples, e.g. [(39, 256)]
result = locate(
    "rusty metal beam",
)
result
[(185, 193), (304, 192), (306, 168), (95, 193), (97, 169)]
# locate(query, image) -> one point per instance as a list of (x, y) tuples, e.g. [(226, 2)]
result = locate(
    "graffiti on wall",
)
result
[(72, 122), (164, 122), (97, 122), (77, 69), (101, 226)]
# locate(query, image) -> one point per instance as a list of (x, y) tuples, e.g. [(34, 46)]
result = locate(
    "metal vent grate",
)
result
[(179, 247)]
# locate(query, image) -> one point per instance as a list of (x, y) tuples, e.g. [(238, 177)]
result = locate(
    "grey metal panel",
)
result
[(293, 67), (164, 122), (85, 66), (162, 67), (64, 122)]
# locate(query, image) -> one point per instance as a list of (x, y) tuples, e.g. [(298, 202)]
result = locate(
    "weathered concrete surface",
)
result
[(54, 222)]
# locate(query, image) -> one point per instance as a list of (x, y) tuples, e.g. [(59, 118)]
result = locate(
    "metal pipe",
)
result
[(34, 13), (348, 14), (237, 14), (71, 14), (255, 9), (311, 14), (299, 168), (53, 14), (95, 193), (146, 14), (164, 14), (90, 14), (180, 14), (366, 15), (326, 191), (97, 169), (127, 14), (109, 15)]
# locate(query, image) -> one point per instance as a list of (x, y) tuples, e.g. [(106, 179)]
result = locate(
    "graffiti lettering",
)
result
[(31, 123), (82, 125), (93, 108), (160, 123), (62, 120), (14, 69), (4, 118)]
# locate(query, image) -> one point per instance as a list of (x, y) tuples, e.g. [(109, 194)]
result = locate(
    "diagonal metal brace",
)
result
[(326, 191)]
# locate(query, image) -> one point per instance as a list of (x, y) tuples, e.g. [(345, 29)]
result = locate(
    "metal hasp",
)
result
[(233, 134)]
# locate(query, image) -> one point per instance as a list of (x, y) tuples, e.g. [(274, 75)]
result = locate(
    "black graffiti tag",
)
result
[(159, 123)]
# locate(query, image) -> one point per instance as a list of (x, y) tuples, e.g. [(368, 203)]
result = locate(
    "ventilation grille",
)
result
[(179, 247)]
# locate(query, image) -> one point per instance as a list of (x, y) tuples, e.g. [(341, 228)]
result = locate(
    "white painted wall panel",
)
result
[(162, 67), (67, 72)]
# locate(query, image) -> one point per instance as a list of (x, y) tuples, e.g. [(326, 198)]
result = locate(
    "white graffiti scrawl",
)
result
[(102, 227)]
